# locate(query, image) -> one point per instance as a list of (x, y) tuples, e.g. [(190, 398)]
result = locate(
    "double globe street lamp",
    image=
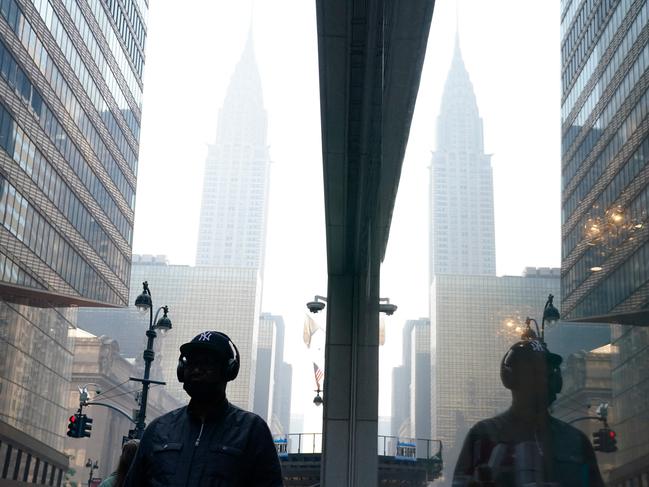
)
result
[(144, 304)]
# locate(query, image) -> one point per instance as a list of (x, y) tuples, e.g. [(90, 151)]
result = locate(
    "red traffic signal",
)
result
[(73, 426), (605, 440)]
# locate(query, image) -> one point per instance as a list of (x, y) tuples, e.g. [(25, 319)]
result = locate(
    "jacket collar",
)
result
[(215, 413)]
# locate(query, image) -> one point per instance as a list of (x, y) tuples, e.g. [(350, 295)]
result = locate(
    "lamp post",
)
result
[(92, 465), (550, 314), (144, 303)]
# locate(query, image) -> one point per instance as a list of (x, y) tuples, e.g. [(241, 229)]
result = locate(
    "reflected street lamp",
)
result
[(550, 315), (92, 465), (144, 303)]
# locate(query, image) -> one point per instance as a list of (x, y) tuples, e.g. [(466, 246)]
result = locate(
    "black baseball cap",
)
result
[(213, 341), (527, 348)]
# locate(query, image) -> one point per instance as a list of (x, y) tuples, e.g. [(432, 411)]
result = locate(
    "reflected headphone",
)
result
[(508, 377), (231, 367)]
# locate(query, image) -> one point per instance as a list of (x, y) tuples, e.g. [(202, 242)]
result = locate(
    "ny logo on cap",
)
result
[(537, 346), (205, 336)]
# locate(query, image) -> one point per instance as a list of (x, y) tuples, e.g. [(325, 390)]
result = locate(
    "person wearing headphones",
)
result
[(209, 442), (525, 445)]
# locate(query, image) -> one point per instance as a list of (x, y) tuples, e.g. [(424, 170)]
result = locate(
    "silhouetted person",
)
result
[(209, 442), (525, 446), (118, 477)]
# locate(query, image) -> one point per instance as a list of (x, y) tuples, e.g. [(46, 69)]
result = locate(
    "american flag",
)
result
[(319, 374)]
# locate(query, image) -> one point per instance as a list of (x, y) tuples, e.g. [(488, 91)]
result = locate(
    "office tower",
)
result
[(474, 320), (225, 299), (70, 106), (273, 377), (411, 383), (605, 202), (461, 238), (265, 372), (232, 229)]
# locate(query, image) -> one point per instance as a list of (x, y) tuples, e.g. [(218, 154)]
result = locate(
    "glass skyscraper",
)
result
[(605, 202), (411, 384), (274, 377), (70, 107), (226, 299)]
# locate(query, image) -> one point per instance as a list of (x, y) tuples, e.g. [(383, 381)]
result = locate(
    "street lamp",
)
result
[(144, 303), (550, 315), (92, 465)]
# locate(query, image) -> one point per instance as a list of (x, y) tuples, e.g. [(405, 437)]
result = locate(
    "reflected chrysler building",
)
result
[(232, 229), (461, 225)]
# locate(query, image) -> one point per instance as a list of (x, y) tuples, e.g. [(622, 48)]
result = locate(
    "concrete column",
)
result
[(351, 381)]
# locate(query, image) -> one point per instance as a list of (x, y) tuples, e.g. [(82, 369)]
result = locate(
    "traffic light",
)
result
[(85, 426), (73, 426), (605, 440), (609, 444)]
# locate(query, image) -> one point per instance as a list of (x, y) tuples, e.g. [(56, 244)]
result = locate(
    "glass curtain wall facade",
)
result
[(605, 202), (70, 107), (225, 299)]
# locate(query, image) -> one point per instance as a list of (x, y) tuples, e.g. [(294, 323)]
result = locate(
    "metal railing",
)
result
[(393, 446)]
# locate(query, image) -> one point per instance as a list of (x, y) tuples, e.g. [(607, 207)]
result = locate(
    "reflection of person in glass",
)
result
[(525, 446)]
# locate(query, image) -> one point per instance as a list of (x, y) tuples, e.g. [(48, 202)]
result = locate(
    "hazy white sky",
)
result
[(511, 50)]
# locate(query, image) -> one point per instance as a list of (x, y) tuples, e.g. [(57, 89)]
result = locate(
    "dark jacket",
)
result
[(561, 452), (232, 448)]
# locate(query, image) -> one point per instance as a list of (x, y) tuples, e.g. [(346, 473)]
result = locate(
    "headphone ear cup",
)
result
[(556, 381), (506, 372), (233, 369), (180, 369), (507, 376)]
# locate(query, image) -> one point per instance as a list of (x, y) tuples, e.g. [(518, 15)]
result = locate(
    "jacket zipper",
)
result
[(191, 460), (200, 433)]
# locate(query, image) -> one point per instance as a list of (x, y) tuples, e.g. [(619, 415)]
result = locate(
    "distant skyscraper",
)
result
[(232, 229), (411, 383), (605, 202), (70, 106), (461, 228), (274, 377)]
